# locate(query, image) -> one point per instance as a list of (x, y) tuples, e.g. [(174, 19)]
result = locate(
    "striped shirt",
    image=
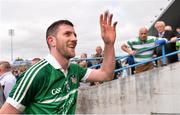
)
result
[(139, 45)]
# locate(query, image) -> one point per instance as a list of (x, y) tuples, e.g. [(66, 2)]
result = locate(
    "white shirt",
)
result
[(161, 34), (7, 80)]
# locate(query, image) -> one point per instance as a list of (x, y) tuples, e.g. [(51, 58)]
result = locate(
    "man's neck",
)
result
[(162, 32), (61, 60)]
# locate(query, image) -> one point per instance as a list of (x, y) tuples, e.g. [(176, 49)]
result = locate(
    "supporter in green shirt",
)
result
[(50, 86)]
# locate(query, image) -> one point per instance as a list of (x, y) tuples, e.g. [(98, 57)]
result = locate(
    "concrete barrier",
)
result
[(156, 91)]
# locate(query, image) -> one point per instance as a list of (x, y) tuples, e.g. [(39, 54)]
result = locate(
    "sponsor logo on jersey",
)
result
[(55, 91)]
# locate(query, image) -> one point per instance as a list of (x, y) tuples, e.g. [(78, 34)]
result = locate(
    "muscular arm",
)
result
[(108, 33), (8, 109)]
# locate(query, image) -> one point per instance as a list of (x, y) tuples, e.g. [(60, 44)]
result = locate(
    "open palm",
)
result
[(108, 30)]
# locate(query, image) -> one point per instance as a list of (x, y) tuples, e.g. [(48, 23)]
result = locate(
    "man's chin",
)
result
[(72, 55)]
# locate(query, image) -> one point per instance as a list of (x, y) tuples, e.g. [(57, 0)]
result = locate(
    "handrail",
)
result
[(95, 58), (139, 63), (143, 62), (157, 58), (121, 57), (141, 51)]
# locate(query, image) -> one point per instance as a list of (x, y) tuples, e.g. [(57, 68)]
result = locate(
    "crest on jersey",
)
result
[(74, 79)]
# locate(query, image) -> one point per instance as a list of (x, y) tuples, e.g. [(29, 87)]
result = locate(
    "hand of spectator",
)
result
[(174, 39), (154, 56), (132, 52), (108, 30), (83, 64)]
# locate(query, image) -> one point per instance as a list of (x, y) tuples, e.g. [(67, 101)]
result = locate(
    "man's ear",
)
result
[(51, 41)]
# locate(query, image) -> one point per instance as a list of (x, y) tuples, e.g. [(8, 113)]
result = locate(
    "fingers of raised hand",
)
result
[(101, 20), (110, 16), (114, 25), (106, 18)]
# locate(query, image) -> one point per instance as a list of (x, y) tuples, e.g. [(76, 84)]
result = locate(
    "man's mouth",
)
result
[(72, 45)]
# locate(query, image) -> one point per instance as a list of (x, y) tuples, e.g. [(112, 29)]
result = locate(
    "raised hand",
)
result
[(108, 30)]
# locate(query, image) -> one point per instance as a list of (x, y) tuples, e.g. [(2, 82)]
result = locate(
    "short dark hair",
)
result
[(52, 29)]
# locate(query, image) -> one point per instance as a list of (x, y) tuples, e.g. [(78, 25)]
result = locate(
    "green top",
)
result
[(139, 45), (46, 89), (177, 43)]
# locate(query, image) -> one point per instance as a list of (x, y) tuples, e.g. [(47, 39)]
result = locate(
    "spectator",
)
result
[(15, 72), (22, 69), (170, 36), (51, 85), (35, 60), (142, 42), (18, 70), (98, 54), (84, 63), (7, 79)]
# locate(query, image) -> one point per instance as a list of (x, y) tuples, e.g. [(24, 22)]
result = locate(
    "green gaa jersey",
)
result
[(46, 89)]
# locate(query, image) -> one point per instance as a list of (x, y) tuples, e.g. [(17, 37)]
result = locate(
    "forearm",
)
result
[(108, 64), (8, 109), (108, 34), (126, 49)]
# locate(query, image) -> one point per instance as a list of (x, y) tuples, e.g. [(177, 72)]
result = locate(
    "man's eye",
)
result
[(68, 34)]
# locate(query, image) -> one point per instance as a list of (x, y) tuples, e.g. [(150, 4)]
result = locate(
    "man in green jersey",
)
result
[(50, 86)]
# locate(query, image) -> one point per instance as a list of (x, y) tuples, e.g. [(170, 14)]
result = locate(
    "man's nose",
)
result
[(74, 38)]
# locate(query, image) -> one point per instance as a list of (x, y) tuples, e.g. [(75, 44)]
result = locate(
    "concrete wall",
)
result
[(156, 91)]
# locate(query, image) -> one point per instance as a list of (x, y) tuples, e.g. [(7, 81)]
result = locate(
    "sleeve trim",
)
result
[(15, 104), (86, 75)]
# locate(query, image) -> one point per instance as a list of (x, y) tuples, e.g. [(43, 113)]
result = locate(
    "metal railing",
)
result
[(163, 57)]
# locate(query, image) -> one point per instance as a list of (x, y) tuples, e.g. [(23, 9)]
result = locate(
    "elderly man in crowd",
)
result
[(169, 36)]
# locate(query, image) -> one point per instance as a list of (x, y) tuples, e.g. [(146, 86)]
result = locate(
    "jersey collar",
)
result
[(139, 39), (51, 60)]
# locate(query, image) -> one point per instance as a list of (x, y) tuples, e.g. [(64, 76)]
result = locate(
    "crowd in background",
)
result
[(9, 74)]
